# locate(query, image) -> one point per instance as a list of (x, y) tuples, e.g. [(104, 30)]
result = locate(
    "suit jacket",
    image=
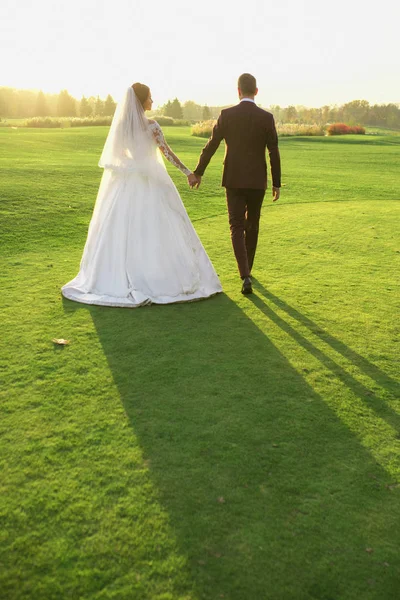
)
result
[(247, 130)]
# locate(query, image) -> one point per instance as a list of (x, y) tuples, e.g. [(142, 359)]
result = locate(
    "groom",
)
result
[(247, 130)]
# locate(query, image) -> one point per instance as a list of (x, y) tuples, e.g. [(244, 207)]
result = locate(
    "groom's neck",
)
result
[(242, 95)]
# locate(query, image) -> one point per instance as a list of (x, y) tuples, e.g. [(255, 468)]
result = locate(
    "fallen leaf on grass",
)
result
[(60, 342), (369, 550), (221, 500)]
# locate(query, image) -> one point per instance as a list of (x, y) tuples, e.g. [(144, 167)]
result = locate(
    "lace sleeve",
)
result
[(166, 150)]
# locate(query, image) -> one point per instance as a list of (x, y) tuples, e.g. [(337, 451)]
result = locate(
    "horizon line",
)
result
[(182, 102)]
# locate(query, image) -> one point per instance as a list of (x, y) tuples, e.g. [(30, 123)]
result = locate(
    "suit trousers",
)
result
[(244, 209)]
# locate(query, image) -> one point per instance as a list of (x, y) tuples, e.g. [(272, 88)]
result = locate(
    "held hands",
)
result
[(194, 180), (276, 192)]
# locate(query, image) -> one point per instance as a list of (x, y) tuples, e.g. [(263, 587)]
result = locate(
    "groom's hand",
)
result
[(192, 180), (198, 178), (276, 192)]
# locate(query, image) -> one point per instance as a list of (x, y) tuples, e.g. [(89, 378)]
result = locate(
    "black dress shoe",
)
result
[(247, 287)]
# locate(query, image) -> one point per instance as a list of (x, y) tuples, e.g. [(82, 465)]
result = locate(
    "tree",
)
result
[(276, 111), (109, 106), (92, 103), (3, 105), (356, 111), (173, 109), (99, 107), (392, 115), (41, 110), (191, 111), (25, 103), (85, 110), (166, 109), (176, 108), (325, 114), (206, 113), (8, 102), (291, 114), (66, 105)]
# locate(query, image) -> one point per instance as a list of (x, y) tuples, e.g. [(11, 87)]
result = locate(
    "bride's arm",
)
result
[(166, 150)]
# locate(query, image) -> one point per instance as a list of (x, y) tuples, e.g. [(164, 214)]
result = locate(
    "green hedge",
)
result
[(53, 122)]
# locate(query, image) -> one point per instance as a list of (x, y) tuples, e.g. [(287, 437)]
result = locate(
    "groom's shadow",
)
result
[(379, 377), (254, 469)]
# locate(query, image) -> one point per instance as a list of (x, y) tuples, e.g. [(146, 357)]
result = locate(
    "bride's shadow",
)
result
[(254, 469)]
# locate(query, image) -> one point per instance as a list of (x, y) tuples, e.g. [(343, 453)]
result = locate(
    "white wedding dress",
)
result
[(141, 246)]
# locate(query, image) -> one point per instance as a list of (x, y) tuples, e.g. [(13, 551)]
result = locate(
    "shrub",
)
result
[(161, 120), (169, 121), (90, 121), (343, 129), (44, 122), (181, 122), (357, 130), (292, 129), (203, 129), (67, 122), (338, 129)]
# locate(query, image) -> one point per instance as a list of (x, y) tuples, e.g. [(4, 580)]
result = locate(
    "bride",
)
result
[(141, 247)]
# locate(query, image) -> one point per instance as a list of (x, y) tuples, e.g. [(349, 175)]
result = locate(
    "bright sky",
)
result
[(302, 52)]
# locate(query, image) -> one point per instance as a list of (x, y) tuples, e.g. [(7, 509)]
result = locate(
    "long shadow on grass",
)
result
[(380, 377), (269, 493)]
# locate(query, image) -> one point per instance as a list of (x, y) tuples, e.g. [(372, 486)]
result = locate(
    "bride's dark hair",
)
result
[(142, 91)]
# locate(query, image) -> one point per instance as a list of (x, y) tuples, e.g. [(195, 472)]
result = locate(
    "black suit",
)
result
[(248, 131)]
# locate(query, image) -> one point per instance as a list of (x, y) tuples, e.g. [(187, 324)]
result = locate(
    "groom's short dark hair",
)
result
[(247, 83)]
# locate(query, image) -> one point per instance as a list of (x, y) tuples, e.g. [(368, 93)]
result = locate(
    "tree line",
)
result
[(16, 103), (190, 111), (357, 112)]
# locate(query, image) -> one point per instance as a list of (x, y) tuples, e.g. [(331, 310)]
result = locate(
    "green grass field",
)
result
[(239, 448)]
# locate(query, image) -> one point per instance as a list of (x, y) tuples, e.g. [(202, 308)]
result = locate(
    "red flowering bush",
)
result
[(343, 129), (357, 130), (338, 129)]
